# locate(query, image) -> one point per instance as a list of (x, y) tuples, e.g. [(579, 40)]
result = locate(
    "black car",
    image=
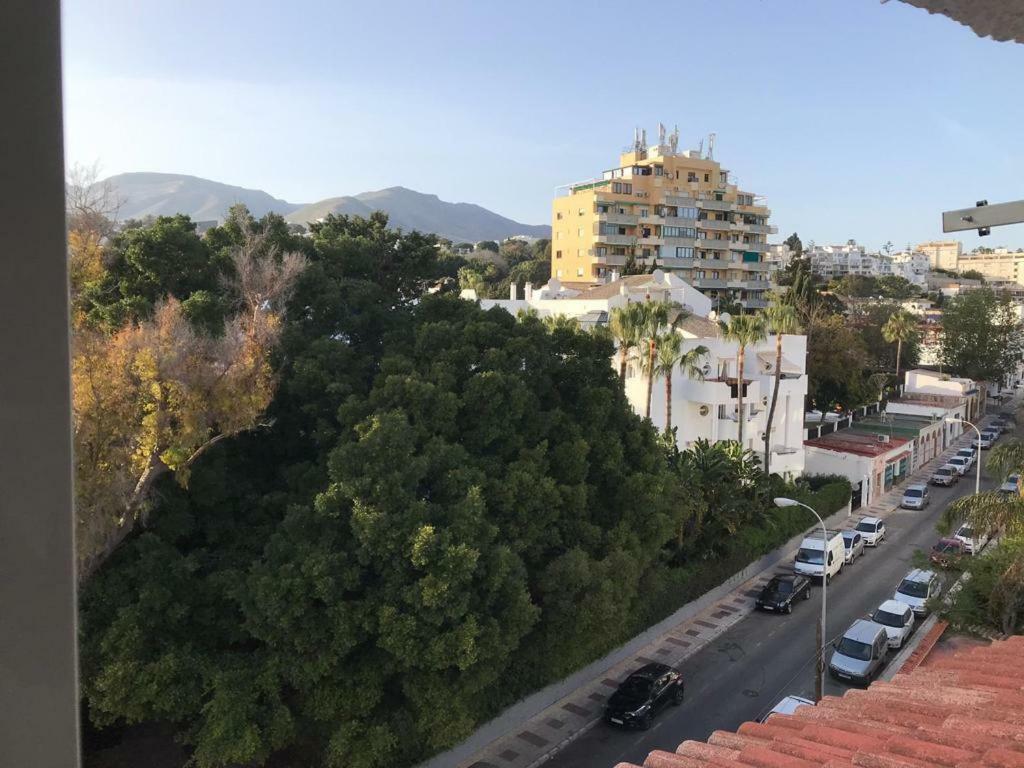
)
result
[(643, 694), (779, 593)]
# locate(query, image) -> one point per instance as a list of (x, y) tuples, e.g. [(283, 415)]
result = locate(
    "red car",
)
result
[(947, 552)]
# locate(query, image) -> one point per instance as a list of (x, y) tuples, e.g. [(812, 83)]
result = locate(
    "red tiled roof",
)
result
[(862, 444), (962, 710)]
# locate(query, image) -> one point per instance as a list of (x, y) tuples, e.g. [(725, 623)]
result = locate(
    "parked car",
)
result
[(916, 589), (973, 542), (898, 620), (991, 434), (983, 443), (820, 558), (915, 497), (968, 453), (872, 529), (861, 653), (643, 694), (960, 463), (781, 592), (946, 475), (1011, 486), (948, 552), (786, 706), (853, 543)]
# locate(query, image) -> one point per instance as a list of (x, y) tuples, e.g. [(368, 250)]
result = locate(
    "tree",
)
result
[(744, 330), (991, 510), (972, 274), (899, 328), (867, 320), (626, 325), (487, 245), (154, 397), (654, 316), (671, 356), (981, 336), (896, 287), (780, 319), (795, 245), (836, 359)]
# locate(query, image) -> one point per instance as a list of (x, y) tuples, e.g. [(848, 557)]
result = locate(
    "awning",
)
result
[(766, 361)]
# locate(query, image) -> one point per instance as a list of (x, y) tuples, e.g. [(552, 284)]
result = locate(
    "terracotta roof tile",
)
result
[(963, 710)]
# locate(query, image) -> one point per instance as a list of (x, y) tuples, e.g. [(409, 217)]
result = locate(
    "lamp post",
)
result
[(977, 479), (819, 686)]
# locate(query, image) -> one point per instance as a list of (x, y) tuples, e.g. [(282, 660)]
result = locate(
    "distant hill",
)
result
[(165, 194), (409, 209)]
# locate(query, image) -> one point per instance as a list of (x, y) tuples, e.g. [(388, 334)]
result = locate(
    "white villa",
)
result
[(705, 408)]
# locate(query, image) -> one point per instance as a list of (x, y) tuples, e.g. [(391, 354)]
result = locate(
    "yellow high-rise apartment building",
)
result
[(942, 254), (665, 207)]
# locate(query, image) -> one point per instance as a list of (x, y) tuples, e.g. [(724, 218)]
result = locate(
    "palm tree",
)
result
[(900, 327), (671, 356), (655, 317), (780, 319), (626, 324), (744, 330), (991, 510)]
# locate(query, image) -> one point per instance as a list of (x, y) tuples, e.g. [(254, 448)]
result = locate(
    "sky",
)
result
[(853, 118)]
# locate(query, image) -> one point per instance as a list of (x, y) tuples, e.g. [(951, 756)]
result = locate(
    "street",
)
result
[(767, 656)]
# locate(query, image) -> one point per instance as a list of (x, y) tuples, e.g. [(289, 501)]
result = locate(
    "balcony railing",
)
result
[(617, 218), (718, 226), (716, 205), (615, 239), (684, 242), (678, 221)]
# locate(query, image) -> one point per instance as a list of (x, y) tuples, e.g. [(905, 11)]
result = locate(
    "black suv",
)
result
[(642, 694), (779, 593)]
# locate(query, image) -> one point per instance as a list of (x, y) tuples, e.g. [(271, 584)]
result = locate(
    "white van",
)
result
[(818, 557)]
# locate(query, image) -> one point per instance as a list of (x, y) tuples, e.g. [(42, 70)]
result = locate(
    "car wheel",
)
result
[(789, 608), (807, 593), (677, 696), (644, 723)]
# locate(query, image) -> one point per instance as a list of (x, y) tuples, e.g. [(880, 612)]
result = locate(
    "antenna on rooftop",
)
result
[(700, 148), (661, 134), (673, 139), (643, 139), (636, 139), (711, 146)]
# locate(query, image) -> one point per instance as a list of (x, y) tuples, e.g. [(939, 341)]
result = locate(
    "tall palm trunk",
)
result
[(623, 356), (771, 408), (739, 392), (668, 403), (899, 351), (650, 377)]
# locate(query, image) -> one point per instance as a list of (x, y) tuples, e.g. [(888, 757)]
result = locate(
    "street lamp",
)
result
[(782, 501), (977, 480)]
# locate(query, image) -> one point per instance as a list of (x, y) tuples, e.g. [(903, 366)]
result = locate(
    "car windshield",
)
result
[(957, 460), (637, 686), (812, 556), (912, 493), (854, 649), (944, 471), (946, 546), (866, 527), (782, 587), (913, 588), (888, 619), (966, 532)]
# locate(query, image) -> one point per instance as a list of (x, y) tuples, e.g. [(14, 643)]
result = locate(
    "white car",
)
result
[(984, 443), (898, 620), (872, 529), (960, 463), (969, 454), (916, 589), (787, 706), (973, 542)]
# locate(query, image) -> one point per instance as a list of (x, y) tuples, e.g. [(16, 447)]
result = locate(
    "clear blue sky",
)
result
[(853, 118)]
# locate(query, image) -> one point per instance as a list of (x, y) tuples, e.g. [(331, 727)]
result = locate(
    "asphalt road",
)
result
[(767, 656)]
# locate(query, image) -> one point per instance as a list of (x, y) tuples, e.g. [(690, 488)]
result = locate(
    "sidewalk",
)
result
[(530, 742)]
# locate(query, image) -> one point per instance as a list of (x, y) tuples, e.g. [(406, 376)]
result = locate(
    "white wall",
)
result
[(852, 466)]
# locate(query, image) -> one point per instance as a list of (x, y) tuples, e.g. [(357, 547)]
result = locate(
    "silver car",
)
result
[(916, 589), (861, 653), (853, 543), (872, 530), (946, 475), (915, 497), (960, 463)]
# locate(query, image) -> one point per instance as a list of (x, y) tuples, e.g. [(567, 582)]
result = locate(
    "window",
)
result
[(723, 176), (558, 273), (618, 251), (679, 232), (684, 253), (659, 170), (691, 176), (647, 253), (558, 235), (602, 251), (579, 232), (707, 177), (558, 215), (622, 188), (580, 212), (719, 197), (579, 272), (558, 254), (714, 275), (579, 253), (643, 213)]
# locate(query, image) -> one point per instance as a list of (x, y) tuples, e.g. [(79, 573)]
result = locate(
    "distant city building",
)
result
[(780, 255), (664, 206), (1002, 265), (834, 262), (942, 254)]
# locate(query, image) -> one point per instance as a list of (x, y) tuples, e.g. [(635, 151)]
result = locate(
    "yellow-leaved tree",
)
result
[(154, 396)]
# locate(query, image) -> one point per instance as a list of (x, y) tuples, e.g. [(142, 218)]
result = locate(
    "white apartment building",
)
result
[(780, 255), (834, 262), (700, 409)]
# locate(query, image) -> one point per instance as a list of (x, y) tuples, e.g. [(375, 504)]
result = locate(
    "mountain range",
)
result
[(165, 194)]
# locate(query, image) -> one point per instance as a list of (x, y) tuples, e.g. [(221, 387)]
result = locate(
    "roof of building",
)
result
[(927, 398), (613, 288), (962, 709), (862, 444)]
